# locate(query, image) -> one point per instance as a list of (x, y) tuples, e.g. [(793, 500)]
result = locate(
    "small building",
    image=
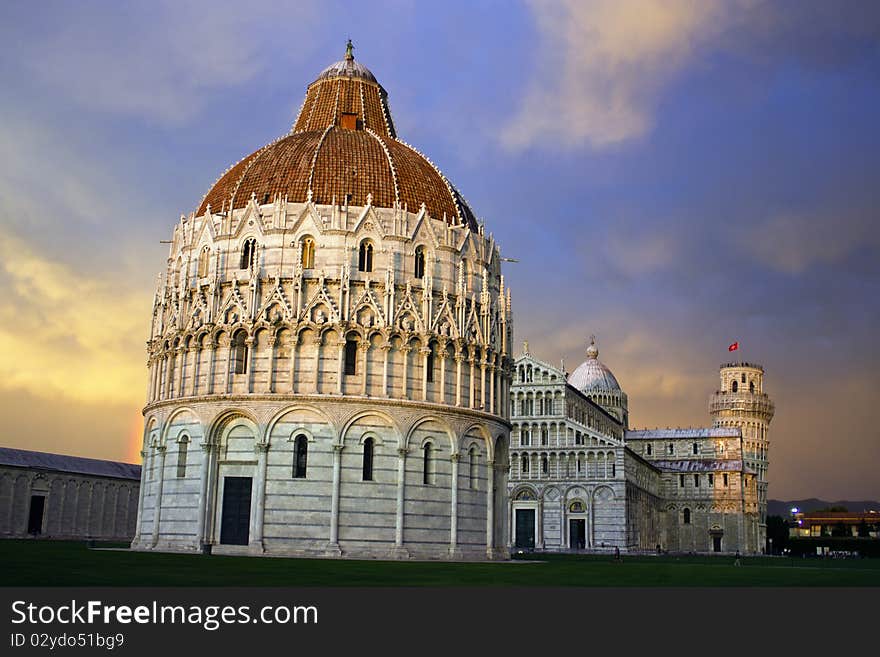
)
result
[(815, 524), (66, 497)]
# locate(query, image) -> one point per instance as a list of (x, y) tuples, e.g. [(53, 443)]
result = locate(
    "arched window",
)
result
[(686, 514), (670, 448), (648, 449), (300, 456), (420, 262), (239, 353), (351, 352), (427, 465), (429, 364), (545, 466), (525, 464), (524, 437), (734, 386), (368, 460), (743, 377), (751, 386), (308, 253), (472, 472), (204, 258), (247, 254), (365, 256), (545, 435), (181, 457), (696, 448)]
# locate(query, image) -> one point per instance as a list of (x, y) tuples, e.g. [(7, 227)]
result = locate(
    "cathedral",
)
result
[(580, 478), (329, 352), (331, 374)]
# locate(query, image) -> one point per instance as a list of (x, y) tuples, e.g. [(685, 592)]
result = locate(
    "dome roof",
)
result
[(342, 148), (592, 374)]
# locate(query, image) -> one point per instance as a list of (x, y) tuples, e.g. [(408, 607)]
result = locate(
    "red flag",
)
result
[(733, 347)]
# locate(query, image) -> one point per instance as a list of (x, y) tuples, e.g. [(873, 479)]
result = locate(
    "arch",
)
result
[(300, 456), (530, 493), (444, 428), (270, 426), (307, 258), (734, 386), (686, 516), (363, 414), (419, 262), (167, 427), (599, 489), (248, 252), (228, 419), (483, 432)]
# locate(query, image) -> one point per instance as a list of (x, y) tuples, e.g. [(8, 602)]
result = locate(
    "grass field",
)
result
[(57, 563)]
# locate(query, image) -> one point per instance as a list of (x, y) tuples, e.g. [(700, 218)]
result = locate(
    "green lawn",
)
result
[(51, 563)]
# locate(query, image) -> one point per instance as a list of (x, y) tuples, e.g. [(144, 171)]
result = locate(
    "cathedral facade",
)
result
[(329, 354), (580, 479)]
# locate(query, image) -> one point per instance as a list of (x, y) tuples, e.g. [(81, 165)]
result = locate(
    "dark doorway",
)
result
[(35, 517), (236, 519), (577, 534), (716, 543), (525, 528)]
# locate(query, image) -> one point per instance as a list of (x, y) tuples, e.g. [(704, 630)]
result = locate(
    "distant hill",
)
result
[(783, 508)]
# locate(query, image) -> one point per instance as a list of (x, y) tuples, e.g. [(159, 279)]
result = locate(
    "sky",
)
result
[(671, 175)]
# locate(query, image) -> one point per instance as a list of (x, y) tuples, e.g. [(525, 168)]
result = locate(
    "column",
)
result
[(483, 384), (145, 470), (180, 371), (443, 374), (405, 351), (472, 388), (590, 519), (197, 367), (492, 405), (249, 366), (207, 452), (453, 511), (425, 352), (458, 360), (340, 366), (563, 524), (259, 499), (539, 539), (294, 347), (385, 349), (334, 501), (401, 486), (212, 349), (158, 512), (490, 508), (270, 375), (364, 349)]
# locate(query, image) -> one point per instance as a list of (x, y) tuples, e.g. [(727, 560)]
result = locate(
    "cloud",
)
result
[(792, 244), (160, 60), (67, 335), (604, 64)]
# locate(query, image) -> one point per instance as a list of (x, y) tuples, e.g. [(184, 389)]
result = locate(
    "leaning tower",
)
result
[(741, 402)]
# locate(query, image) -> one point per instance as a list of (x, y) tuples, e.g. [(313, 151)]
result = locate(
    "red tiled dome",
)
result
[(342, 147)]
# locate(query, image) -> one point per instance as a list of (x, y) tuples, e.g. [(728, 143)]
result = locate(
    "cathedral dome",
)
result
[(593, 374), (343, 149)]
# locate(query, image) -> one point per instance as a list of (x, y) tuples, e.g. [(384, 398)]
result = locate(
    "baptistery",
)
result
[(329, 352)]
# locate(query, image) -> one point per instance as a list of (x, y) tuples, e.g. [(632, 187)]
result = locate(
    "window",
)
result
[(239, 353), (545, 435), (473, 472), (365, 256), (696, 448), (734, 387), (544, 465), (181, 457), (525, 464), (711, 481), (687, 516), (751, 386), (351, 352), (744, 377), (420, 262), (300, 456), (697, 481), (648, 449), (725, 480), (368, 460), (681, 481), (247, 254), (524, 437), (613, 470), (308, 253), (670, 448), (204, 257), (426, 464), (429, 364)]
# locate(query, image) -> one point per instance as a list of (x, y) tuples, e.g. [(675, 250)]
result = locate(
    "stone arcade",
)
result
[(329, 352)]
